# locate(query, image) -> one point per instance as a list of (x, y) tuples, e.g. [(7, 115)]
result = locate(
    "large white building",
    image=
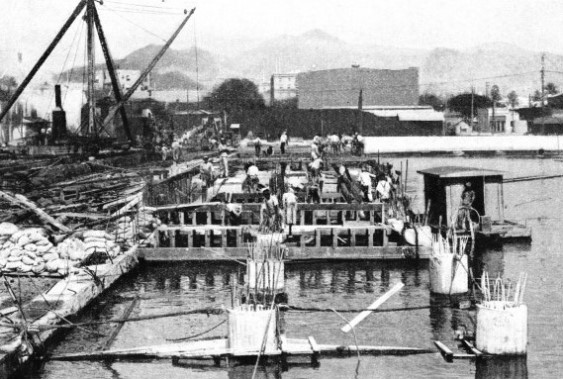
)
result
[(126, 79), (283, 87)]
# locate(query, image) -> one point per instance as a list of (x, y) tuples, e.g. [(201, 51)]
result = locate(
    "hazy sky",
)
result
[(28, 26)]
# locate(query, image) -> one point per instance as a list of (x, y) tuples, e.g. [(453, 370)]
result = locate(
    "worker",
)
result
[(283, 141), (335, 143), (176, 150), (251, 182), (257, 146), (365, 179), (383, 189), (270, 215), (164, 152), (224, 154), (464, 213), (206, 171), (316, 181), (315, 151), (358, 144), (289, 202), (468, 195)]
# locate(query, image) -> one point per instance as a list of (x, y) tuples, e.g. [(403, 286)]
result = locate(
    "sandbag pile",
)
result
[(98, 242), (27, 250), (125, 231), (31, 251)]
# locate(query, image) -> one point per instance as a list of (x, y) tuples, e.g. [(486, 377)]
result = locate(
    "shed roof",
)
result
[(458, 172), (409, 114)]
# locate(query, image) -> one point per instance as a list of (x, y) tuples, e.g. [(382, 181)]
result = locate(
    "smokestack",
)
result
[(58, 127), (58, 102)]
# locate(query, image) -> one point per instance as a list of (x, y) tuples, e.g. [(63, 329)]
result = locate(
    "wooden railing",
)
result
[(308, 214), (303, 236)]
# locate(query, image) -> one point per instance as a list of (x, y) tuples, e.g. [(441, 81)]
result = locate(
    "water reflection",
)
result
[(501, 367)]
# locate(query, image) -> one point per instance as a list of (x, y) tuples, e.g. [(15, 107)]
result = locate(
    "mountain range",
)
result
[(443, 71)]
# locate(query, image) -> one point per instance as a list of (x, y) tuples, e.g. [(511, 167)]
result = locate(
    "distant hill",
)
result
[(442, 70)]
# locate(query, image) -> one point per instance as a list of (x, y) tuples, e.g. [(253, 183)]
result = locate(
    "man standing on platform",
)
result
[(206, 171), (283, 141)]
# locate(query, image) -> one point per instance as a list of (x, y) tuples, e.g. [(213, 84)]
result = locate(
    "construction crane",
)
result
[(94, 129)]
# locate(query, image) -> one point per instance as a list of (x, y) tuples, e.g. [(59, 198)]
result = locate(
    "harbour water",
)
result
[(165, 288)]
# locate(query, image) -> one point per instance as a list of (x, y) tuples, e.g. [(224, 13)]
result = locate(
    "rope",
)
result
[(198, 334), (388, 310)]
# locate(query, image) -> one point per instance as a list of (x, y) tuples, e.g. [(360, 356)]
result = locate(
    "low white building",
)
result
[(506, 121)]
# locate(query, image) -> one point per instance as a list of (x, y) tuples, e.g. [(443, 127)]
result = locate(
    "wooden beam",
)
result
[(359, 318), (445, 351), (25, 203)]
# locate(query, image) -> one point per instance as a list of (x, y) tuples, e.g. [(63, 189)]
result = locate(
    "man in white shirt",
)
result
[(206, 171), (383, 189), (365, 183), (315, 152), (289, 201), (283, 141)]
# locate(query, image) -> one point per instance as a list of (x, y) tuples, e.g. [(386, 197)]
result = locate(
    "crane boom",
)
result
[(43, 58), (113, 110)]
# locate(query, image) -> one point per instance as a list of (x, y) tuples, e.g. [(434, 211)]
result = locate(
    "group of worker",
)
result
[(206, 169)]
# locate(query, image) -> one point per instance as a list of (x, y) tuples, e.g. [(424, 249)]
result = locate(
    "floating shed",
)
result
[(443, 187)]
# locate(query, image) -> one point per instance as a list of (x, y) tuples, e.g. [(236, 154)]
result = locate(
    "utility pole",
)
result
[(542, 92), (472, 116), (92, 131), (487, 89), (361, 115)]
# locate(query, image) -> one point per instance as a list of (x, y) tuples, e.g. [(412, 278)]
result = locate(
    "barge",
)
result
[(443, 189)]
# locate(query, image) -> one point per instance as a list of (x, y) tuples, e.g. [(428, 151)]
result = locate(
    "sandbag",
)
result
[(13, 266), (30, 254), (23, 240), (38, 268), (25, 268), (52, 266), (7, 228), (13, 258), (50, 256), (28, 261), (30, 247)]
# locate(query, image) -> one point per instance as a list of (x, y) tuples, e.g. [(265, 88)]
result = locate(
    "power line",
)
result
[(142, 5), (135, 24)]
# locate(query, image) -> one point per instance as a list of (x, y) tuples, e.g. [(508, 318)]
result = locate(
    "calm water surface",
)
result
[(175, 287)]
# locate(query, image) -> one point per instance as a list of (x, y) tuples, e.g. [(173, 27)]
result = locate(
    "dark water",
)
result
[(175, 287)]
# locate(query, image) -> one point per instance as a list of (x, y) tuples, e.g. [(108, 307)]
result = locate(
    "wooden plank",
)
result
[(469, 346), (190, 239), (445, 351), (352, 237), (313, 344), (370, 238), (294, 254), (356, 320), (172, 237), (119, 326), (224, 238)]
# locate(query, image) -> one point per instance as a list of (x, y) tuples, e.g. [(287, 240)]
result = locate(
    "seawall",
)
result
[(419, 144)]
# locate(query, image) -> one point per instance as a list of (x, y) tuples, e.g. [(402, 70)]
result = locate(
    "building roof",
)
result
[(403, 113), (553, 120), (458, 172), (410, 114)]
